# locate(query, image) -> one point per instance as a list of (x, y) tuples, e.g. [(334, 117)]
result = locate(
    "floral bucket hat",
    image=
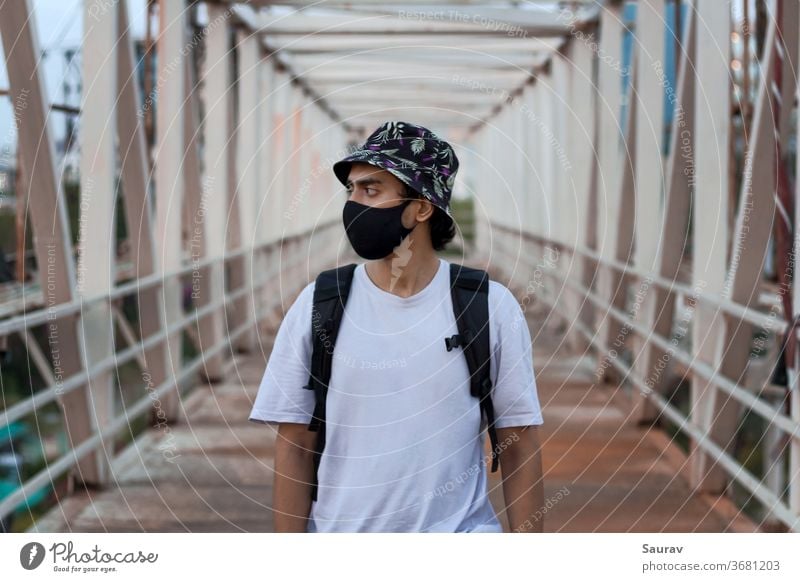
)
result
[(413, 154)]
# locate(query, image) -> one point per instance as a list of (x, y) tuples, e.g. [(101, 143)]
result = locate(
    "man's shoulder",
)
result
[(450, 265), (330, 274), (307, 293), (302, 301), (504, 307), (499, 293)]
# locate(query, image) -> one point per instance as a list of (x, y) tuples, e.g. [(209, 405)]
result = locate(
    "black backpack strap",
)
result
[(469, 289), (330, 297)]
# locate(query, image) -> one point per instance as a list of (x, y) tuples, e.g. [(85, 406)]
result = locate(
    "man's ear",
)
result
[(426, 208)]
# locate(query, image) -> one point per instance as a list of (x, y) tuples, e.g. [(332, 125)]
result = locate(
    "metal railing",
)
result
[(507, 244), (21, 324)]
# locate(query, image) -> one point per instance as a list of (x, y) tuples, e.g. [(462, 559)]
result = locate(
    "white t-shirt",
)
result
[(404, 445)]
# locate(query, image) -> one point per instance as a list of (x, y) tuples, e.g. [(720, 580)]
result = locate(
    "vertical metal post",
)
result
[(710, 233), (131, 116), (581, 99), (649, 188), (611, 154), (731, 340), (216, 94), (96, 233), (248, 135), (658, 306), (169, 187)]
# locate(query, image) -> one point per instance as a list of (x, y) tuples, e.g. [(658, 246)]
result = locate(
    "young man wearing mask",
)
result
[(404, 447)]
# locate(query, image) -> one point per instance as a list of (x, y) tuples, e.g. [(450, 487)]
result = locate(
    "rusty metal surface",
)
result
[(612, 475)]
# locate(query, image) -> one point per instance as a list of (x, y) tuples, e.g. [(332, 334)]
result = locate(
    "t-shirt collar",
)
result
[(418, 297)]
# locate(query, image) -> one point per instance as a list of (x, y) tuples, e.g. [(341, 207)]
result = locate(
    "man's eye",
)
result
[(371, 191)]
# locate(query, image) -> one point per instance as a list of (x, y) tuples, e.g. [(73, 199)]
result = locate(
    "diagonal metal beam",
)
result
[(47, 214)]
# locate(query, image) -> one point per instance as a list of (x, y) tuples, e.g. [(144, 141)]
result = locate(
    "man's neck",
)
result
[(404, 276)]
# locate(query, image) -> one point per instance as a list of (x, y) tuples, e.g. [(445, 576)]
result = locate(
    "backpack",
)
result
[(469, 289)]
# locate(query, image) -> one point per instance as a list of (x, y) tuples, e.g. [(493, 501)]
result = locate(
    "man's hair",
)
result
[(443, 229)]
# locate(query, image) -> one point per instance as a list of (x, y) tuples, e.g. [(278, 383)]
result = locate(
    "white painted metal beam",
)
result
[(712, 194), (47, 214), (249, 126), (658, 309), (97, 233), (140, 218), (423, 58), (342, 43), (611, 154), (409, 74), (582, 102), (381, 93), (215, 204), (169, 172), (400, 20), (649, 42)]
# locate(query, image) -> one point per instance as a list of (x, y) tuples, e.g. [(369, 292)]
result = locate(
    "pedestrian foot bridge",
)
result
[(628, 170)]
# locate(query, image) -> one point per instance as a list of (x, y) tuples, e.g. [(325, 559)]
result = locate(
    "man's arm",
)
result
[(523, 483), (294, 474)]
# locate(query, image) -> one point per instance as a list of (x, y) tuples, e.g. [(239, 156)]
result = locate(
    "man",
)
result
[(404, 447)]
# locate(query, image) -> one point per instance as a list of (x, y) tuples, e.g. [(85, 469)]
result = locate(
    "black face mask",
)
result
[(374, 232)]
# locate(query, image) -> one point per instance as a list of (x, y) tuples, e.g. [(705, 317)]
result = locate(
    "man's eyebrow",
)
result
[(364, 181)]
